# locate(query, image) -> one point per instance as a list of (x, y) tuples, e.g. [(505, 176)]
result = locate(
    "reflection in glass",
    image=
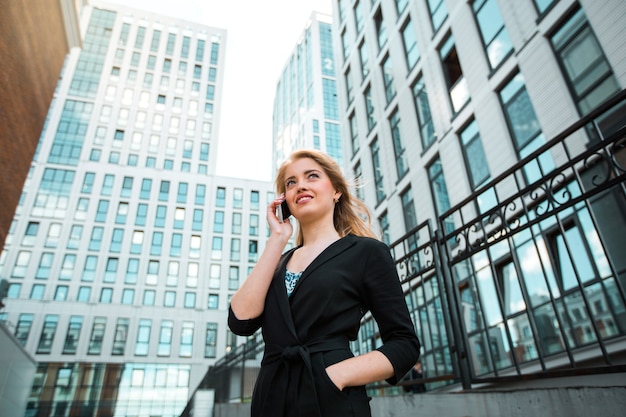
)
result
[(524, 347), (548, 334)]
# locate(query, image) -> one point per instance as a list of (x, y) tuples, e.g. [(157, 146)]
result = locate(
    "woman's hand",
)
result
[(334, 374), (276, 226)]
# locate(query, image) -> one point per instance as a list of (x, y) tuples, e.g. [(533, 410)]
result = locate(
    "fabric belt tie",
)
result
[(294, 383)]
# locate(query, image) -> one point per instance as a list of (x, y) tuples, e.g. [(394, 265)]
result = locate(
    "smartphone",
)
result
[(282, 211)]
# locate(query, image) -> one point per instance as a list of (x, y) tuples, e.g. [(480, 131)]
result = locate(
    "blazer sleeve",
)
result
[(243, 327), (385, 299)]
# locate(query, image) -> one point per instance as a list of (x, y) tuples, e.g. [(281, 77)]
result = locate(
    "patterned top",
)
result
[(291, 279)]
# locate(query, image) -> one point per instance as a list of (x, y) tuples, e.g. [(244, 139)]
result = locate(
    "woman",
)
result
[(309, 300)]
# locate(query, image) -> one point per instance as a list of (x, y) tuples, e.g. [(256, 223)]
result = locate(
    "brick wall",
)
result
[(33, 46)]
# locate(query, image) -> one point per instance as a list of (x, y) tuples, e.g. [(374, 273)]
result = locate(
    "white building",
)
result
[(306, 112), (125, 246)]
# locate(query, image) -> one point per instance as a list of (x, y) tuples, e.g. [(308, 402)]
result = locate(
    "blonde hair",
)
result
[(351, 215)]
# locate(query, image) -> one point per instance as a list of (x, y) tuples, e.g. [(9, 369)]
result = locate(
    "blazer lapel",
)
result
[(281, 292), (335, 249)]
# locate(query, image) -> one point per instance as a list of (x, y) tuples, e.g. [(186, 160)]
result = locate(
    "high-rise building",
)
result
[(306, 112), (126, 246), (460, 118)]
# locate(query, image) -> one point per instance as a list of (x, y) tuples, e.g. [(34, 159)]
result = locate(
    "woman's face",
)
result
[(308, 190)]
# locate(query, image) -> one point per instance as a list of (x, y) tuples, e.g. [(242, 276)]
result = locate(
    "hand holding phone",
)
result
[(282, 211)]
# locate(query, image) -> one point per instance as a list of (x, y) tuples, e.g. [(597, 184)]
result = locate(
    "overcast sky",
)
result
[(261, 35)]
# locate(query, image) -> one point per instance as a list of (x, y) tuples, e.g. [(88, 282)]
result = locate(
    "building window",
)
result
[(54, 233), (474, 153), (121, 333), (378, 171), (101, 213), (210, 343), (96, 238), (111, 270), (424, 116), (122, 213), (253, 251), (193, 271), (173, 269), (387, 71), (198, 218), (409, 40), (117, 238), (408, 209), (402, 166), (73, 334), (345, 44), (186, 340), (381, 30), (84, 294), (544, 5), (213, 302), (106, 295), (457, 85), (218, 222), (22, 330), (195, 244), (45, 263), (524, 127), (190, 300), (354, 133), (47, 333), (30, 234), (169, 299), (364, 58), (143, 337), (254, 225), (439, 191), (215, 276), (236, 223), (220, 197), (179, 217), (358, 17), (235, 250), (165, 338), (37, 292), (152, 277), (369, 108), (438, 13), (586, 69), (164, 191), (176, 244), (349, 86), (60, 294), (157, 244), (494, 34), (358, 178), (132, 270), (149, 297), (128, 296), (89, 271), (233, 278), (383, 222), (216, 249), (146, 187)]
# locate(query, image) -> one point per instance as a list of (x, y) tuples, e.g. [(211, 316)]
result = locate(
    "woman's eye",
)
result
[(314, 175)]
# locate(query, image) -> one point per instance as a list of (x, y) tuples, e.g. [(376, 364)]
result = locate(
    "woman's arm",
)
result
[(383, 295), (360, 370), (249, 301)]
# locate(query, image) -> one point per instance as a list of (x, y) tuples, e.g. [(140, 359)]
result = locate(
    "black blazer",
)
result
[(311, 329)]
